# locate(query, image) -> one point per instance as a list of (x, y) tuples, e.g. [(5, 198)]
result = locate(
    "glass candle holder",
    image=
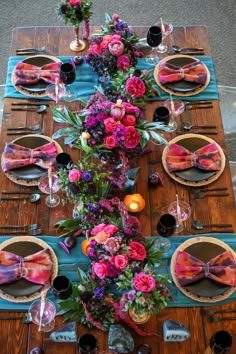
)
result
[(134, 202)]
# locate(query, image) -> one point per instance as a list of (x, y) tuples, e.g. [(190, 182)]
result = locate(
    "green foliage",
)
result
[(75, 14)]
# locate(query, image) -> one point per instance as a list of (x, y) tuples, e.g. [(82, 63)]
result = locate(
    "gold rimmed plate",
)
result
[(181, 87), (38, 89), (23, 290), (193, 176), (204, 290)]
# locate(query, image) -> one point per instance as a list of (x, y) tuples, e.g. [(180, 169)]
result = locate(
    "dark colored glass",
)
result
[(154, 36), (221, 342), (62, 287), (67, 73), (166, 225), (161, 114), (88, 344), (62, 160)]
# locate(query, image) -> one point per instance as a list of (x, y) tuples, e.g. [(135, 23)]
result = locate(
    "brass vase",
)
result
[(77, 45), (139, 319)]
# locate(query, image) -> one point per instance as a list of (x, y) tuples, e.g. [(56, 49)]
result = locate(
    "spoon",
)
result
[(197, 225), (188, 126), (177, 49), (34, 198), (39, 109), (27, 127)]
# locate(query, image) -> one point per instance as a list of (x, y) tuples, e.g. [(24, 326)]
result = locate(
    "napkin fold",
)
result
[(194, 72), (31, 74), (35, 268), (206, 158), (15, 156), (221, 269)]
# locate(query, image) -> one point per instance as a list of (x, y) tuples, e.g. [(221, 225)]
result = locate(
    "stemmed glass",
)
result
[(175, 107), (181, 210), (154, 38), (50, 185), (166, 226), (166, 29), (56, 92), (67, 76), (43, 314)]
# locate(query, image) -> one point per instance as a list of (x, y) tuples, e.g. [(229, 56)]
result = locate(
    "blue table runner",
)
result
[(67, 265), (87, 79)]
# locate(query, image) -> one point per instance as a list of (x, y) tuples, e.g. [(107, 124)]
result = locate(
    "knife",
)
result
[(178, 132), (220, 231), (187, 53), (31, 53), (22, 192), (30, 103), (22, 132)]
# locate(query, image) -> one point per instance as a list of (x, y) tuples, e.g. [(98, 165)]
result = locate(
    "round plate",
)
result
[(30, 175), (205, 290), (23, 290), (39, 88), (181, 87), (193, 176)]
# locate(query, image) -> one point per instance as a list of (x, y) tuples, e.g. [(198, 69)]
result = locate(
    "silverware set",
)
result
[(31, 230), (32, 51), (209, 192), (212, 318), (25, 318)]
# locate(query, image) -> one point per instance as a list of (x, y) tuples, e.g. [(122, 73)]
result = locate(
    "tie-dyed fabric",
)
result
[(31, 74), (221, 269), (35, 268), (15, 156), (194, 72), (206, 158)]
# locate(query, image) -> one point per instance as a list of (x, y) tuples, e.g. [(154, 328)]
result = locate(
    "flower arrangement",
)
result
[(75, 11), (115, 48)]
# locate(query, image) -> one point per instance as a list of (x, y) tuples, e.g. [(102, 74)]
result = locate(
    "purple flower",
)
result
[(87, 176), (91, 121), (99, 293), (112, 271), (91, 252)]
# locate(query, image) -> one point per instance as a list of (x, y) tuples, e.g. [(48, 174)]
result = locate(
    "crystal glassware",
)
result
[(50, 185), (175, 107), (67, 76), (166, 29), (181, 210), (56, 92), (166, 226), (154, 38), (43, 314)]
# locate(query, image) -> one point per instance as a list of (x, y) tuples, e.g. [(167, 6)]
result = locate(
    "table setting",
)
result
[(185, 160)]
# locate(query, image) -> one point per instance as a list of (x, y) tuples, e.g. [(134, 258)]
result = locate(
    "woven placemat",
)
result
[(193, 183), (44, 245), (185, 291), (176, 93), (25, 91), (24, 181)]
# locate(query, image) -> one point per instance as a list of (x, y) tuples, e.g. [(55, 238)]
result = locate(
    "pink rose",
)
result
[(74, 2), (115, 18), (105, 43), (135, 87), (110, 229), (101, 237), (137, 251), (123, 63), (129, 120), (121, 261), (117, 37), (129, 108), (110, 142), (110, 125), (100, 269), (132, 138), (97, 229), (116, 48), (144, 282), (74, 175), (95, 49)]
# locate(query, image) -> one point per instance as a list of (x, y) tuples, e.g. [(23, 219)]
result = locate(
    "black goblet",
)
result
[(220, 342), (67, 76), (165, 227), (161, 114), (154, 37), (88, 344), (62, 287)]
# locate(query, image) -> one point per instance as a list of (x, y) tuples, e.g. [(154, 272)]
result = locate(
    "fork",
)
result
[(213, 312), (27, 127), (24, 132), (39, 50), (213, 319), (201, 106)]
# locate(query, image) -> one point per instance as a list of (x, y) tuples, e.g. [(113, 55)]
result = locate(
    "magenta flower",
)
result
[(135, 87)]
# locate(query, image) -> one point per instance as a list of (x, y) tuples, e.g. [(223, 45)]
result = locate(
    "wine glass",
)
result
[(166, 30), (43, 314), (67, 76), (50, 185), (56, 92), (181, 210), (166, 226), (154, 37), (175, 107)]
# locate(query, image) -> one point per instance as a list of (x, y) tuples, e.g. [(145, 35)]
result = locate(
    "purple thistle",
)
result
[(87, 176), (99, 293)]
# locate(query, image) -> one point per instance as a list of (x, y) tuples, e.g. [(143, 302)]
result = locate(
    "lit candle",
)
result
[(134, 202)]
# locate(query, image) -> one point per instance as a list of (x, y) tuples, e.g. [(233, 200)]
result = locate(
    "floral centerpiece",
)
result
[(114, 48)]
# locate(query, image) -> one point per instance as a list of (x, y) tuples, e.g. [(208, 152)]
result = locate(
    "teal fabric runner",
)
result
[(87, 79), (67, 265)]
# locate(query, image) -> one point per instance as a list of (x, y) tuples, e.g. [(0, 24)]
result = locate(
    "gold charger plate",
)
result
[(190, 92), (36, 90), (193, 177), (205, 290), (23, 290), (24, 181)]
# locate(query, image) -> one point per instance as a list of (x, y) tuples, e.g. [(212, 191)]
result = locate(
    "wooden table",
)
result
[(21, 338)]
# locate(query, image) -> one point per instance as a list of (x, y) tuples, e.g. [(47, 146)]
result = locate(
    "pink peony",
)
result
[(135, 87), (112, 245), (137, 251), (123, 63), (74, 2), (144, 282), (110, 142), (100, 269), (110, 125), (95, 49), (116, 48), (74, 175), (97, 229), (105, 42), (129, 120), (115, 18), (121, 261), (110, 229), (101, 237), (132, 138)]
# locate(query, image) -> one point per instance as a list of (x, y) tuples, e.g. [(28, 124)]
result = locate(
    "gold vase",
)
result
[(139, 319), (77, 45)]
